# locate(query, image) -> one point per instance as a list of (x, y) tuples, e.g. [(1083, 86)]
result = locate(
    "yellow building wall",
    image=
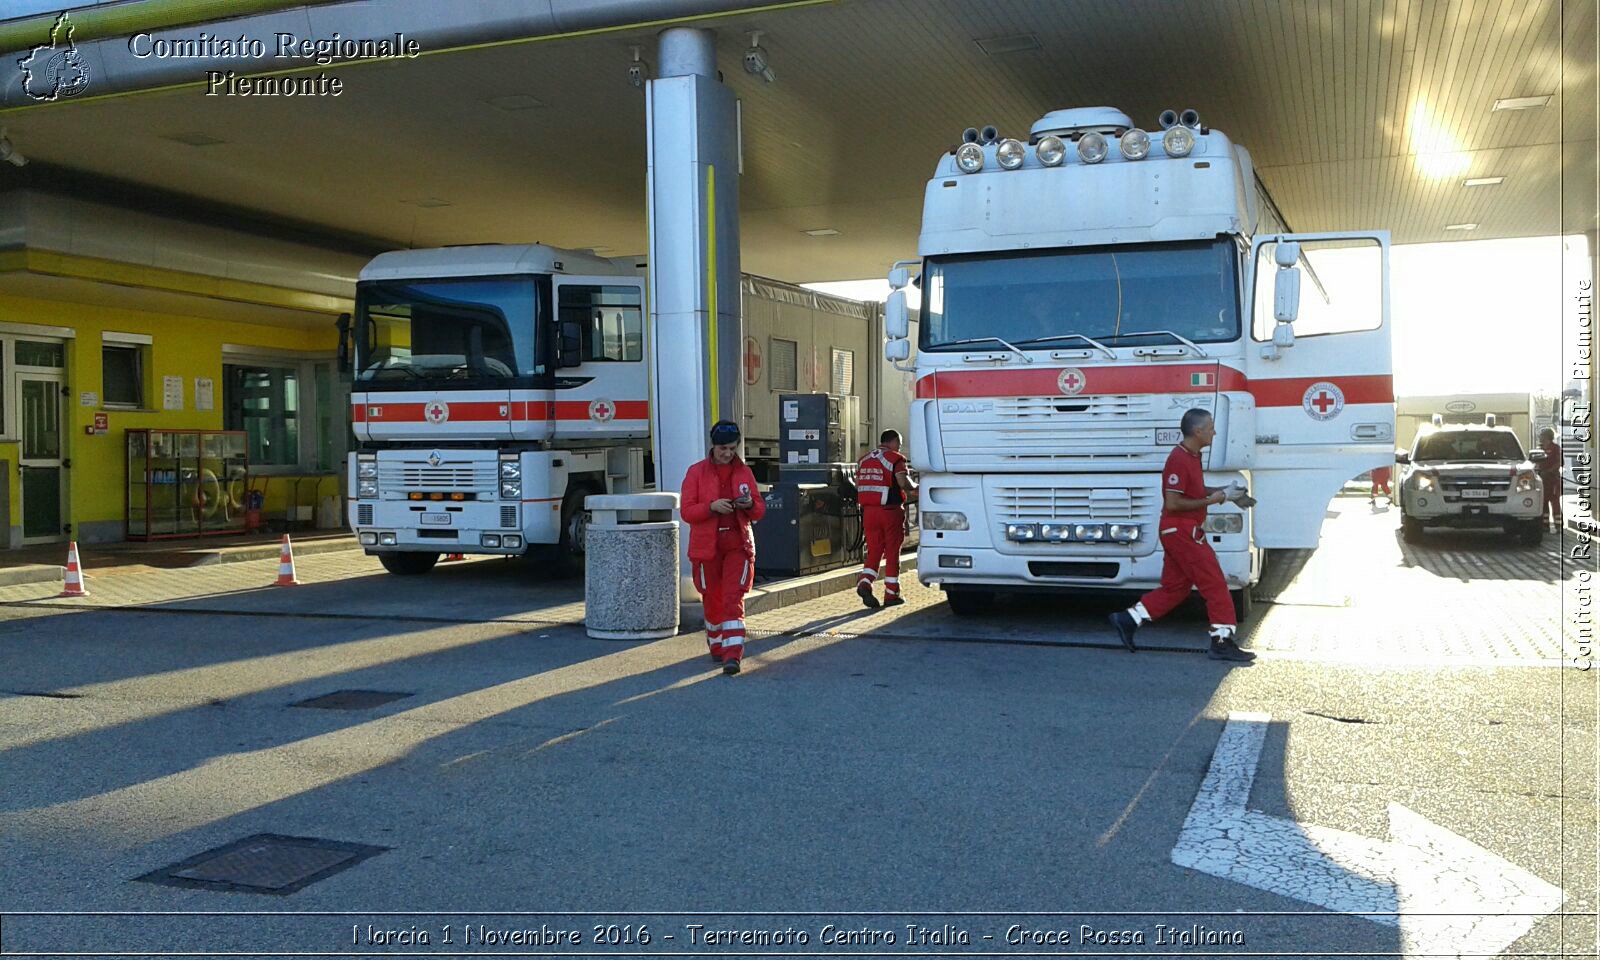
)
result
[(183, 346)]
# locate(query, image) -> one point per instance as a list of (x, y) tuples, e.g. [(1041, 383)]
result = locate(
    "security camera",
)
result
[(755, 59), (8, 151), (638, 70)]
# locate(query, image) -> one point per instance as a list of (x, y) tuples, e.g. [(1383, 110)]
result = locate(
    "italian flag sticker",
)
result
[(1202, 379)]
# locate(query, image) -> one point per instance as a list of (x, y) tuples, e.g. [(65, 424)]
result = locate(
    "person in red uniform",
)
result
[(720, 501), (882, 485), (1380, 481), (1550, 475), (1188, 561)]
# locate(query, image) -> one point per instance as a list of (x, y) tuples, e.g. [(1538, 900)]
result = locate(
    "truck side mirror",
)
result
[(1283, 336), (1402, 458), (897, 351), (343, 326), (569, 351), (896, 323), (898, 278), (1286, 295)]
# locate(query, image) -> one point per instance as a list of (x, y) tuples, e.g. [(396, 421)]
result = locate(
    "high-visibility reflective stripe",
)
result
[(733, 625), (1169, 530), (744, 574), (869, 573), (872, 488)]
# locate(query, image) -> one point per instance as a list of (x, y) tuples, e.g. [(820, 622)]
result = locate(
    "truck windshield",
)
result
[(477, 330), (1115, 295)]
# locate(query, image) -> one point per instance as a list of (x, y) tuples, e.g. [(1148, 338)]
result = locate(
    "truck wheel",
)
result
[(1531, 533), (1243, 605), (408, 564), (966, 602), (1411, 529), (567, 556)]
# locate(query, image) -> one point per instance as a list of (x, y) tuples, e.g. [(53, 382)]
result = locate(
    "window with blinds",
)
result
[(844, 372), (785, 361)]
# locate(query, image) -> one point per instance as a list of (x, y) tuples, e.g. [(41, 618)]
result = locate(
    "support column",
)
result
[(695, 318)]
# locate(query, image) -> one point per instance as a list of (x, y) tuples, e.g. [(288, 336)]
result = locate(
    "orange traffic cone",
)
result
[(73, 582), (286, 566)]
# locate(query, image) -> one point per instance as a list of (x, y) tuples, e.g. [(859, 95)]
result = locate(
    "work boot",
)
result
[(864, 591), (1126, 627), (893, 600), (1224, 648), (730, 666)]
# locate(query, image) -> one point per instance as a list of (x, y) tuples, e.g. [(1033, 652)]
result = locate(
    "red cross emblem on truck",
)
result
[(601, 411), (1071, 381), (437, 412), (1322, 400)]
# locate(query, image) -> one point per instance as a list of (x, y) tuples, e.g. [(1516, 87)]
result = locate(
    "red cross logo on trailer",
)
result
[(1323, 400), (437, 412), (602, 411), (1071, 381), (752, 361)]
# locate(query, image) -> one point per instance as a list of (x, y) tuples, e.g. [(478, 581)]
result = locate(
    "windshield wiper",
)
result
[(971, 340), (1168, 333), (1075, 336)]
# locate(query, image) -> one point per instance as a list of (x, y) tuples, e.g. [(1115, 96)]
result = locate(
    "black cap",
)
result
[(724, 432)]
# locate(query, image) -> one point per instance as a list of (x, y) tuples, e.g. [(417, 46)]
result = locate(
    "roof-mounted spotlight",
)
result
[(755, 59), (1135, 144)]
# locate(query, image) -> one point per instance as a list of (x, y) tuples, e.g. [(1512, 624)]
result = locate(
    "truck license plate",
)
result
[(1475, 494), (440, 519)]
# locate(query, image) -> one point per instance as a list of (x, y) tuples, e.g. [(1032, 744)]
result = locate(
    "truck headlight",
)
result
[(510, 470), (1177, 141), (1135, 144), (1089, 532), (1051, 151), (1526, 482), (1092, 147), (944, 520), (387, 540), (1125, 532), (1022, 532), (1425, 482), (367, 470), (511, 489), (1222, 522), (366, 489), (969, 158), (1010, 154), (1055, 532)]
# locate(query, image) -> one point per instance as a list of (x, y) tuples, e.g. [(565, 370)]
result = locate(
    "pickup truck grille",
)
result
[(1475, 490)]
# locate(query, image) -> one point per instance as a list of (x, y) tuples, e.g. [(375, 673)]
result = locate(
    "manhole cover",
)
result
[(264, 863), (351, 700)]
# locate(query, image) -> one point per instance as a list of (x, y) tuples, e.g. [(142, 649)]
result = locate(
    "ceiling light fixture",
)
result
[(8, 151), (1483, 181), (427, 202), (755, 58), (1521, 103), (821, 232), (1011, 43), (638, 68), (1461, 226)]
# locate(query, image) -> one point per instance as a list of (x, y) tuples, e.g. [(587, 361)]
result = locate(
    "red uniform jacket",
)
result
[(1183, 476), (706, 482), (878, 479)]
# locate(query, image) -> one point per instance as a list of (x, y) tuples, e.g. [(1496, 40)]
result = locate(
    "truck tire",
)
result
[(1243, 605), (1530, 533), (1410, 529), (408, 564), (967, 602), (566, 557)]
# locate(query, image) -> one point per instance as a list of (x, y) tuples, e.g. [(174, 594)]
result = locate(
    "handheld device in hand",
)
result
[(1246, 501)]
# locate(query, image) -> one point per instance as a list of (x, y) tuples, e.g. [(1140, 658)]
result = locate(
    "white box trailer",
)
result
[(1514, 410)]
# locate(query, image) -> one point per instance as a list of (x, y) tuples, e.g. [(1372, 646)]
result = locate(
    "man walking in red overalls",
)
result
[(1188, 561), (882, 483), (720, 501), (1549, 470)]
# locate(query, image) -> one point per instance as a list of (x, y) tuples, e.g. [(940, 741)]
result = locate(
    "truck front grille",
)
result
[(446, 477), (364, 515), (508, 516), (1108, 429)]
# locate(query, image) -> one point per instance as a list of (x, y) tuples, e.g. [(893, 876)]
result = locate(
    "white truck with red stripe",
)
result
[(495, 387), (1080, 290)]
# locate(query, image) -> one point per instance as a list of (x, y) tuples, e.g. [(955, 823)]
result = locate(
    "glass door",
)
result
[(42, 464)]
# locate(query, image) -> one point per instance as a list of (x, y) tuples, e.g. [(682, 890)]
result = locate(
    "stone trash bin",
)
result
[(631, 566)]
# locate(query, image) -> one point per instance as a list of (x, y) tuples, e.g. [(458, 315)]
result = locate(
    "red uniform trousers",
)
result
[(1189, 562), (1552, 498), (723, 581), (885, 532)]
